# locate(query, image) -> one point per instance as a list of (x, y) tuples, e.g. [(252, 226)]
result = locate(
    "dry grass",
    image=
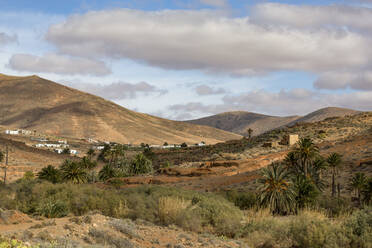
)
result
[(170, 208)]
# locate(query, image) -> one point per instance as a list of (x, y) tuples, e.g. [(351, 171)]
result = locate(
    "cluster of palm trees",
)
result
[(287, 186), (362, 187), (69, 171), (83, 171)]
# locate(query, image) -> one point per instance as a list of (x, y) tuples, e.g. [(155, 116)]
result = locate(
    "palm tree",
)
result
[(276, 190), (86, 163), (91, 153), (249, 131), (73, 172), (358, 182), (306, 151), (306, 191), (140, 165), (107, 172), (50, 173), (334, 161)]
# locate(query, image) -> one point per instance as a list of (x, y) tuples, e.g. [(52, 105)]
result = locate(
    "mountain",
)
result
[(239, 121), (325, 113), (35, 103)]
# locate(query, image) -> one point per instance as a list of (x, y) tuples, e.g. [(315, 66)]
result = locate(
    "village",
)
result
[(61, 146)]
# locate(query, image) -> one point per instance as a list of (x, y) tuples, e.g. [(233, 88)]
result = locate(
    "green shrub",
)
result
[(52, 208), (333, 206), (360, 226), (243, 200), (310, 231)]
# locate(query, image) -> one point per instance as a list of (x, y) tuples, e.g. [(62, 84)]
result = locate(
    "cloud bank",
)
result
[(117, 90), (56, 63), (205, 90), (208, 41), (6, 38)]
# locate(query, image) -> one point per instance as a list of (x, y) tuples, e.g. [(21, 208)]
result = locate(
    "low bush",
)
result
[(309, 229), (243, 200), (188, 209)]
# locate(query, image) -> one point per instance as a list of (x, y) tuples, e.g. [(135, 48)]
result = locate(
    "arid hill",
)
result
[(325, 113), (35, 103), (239, 121)]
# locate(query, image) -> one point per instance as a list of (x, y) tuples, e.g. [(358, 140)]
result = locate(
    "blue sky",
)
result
[(188, 59)]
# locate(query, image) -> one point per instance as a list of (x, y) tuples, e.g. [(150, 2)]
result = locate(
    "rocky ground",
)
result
[(96, 230)]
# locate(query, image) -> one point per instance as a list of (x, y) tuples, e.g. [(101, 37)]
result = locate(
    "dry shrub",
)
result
[(169, 208)]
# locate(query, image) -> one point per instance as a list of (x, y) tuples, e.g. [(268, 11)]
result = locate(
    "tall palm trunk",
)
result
[(333, 184)]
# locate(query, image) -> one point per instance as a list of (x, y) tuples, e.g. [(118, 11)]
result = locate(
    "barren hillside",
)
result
[(239, 121), (38, 104)]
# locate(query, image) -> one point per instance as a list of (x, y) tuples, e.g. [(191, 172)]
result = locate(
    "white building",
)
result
[(73, 152), (52, 145), (98, 147), (12, 132)]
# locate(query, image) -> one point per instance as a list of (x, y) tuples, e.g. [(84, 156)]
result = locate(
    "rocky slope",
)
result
[(239, 121), (35, 103)]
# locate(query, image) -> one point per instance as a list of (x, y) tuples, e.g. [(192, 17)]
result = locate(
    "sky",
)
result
[(189, 59)]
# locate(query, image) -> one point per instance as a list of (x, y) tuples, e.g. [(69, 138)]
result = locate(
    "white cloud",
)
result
[(205, 40), (215, 3), (340, 80), (6, 38), (312, 16), (59, 64), (117, 90), (204, 90)]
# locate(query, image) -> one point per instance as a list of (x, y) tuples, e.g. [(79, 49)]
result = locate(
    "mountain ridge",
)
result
[(240, 121), (39, 104)]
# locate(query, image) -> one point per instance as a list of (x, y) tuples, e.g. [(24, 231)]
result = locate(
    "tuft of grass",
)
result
[(170, 208)]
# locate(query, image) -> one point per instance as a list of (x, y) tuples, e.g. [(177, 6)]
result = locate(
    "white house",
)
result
[(98, 147), (73, 152), (168, 146), (51, 145), (12, 132)]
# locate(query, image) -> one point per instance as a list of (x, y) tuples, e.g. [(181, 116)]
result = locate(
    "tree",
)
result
[(306, 191), (140, 165), (358, 182), (107, 172), (66, 151), (183, 145), (73, 172), (276, 189), (306, 152), (165, 144), (103, 154), (50, 173), (249, 131), (90, 153), (334, 161), (86, 163)]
